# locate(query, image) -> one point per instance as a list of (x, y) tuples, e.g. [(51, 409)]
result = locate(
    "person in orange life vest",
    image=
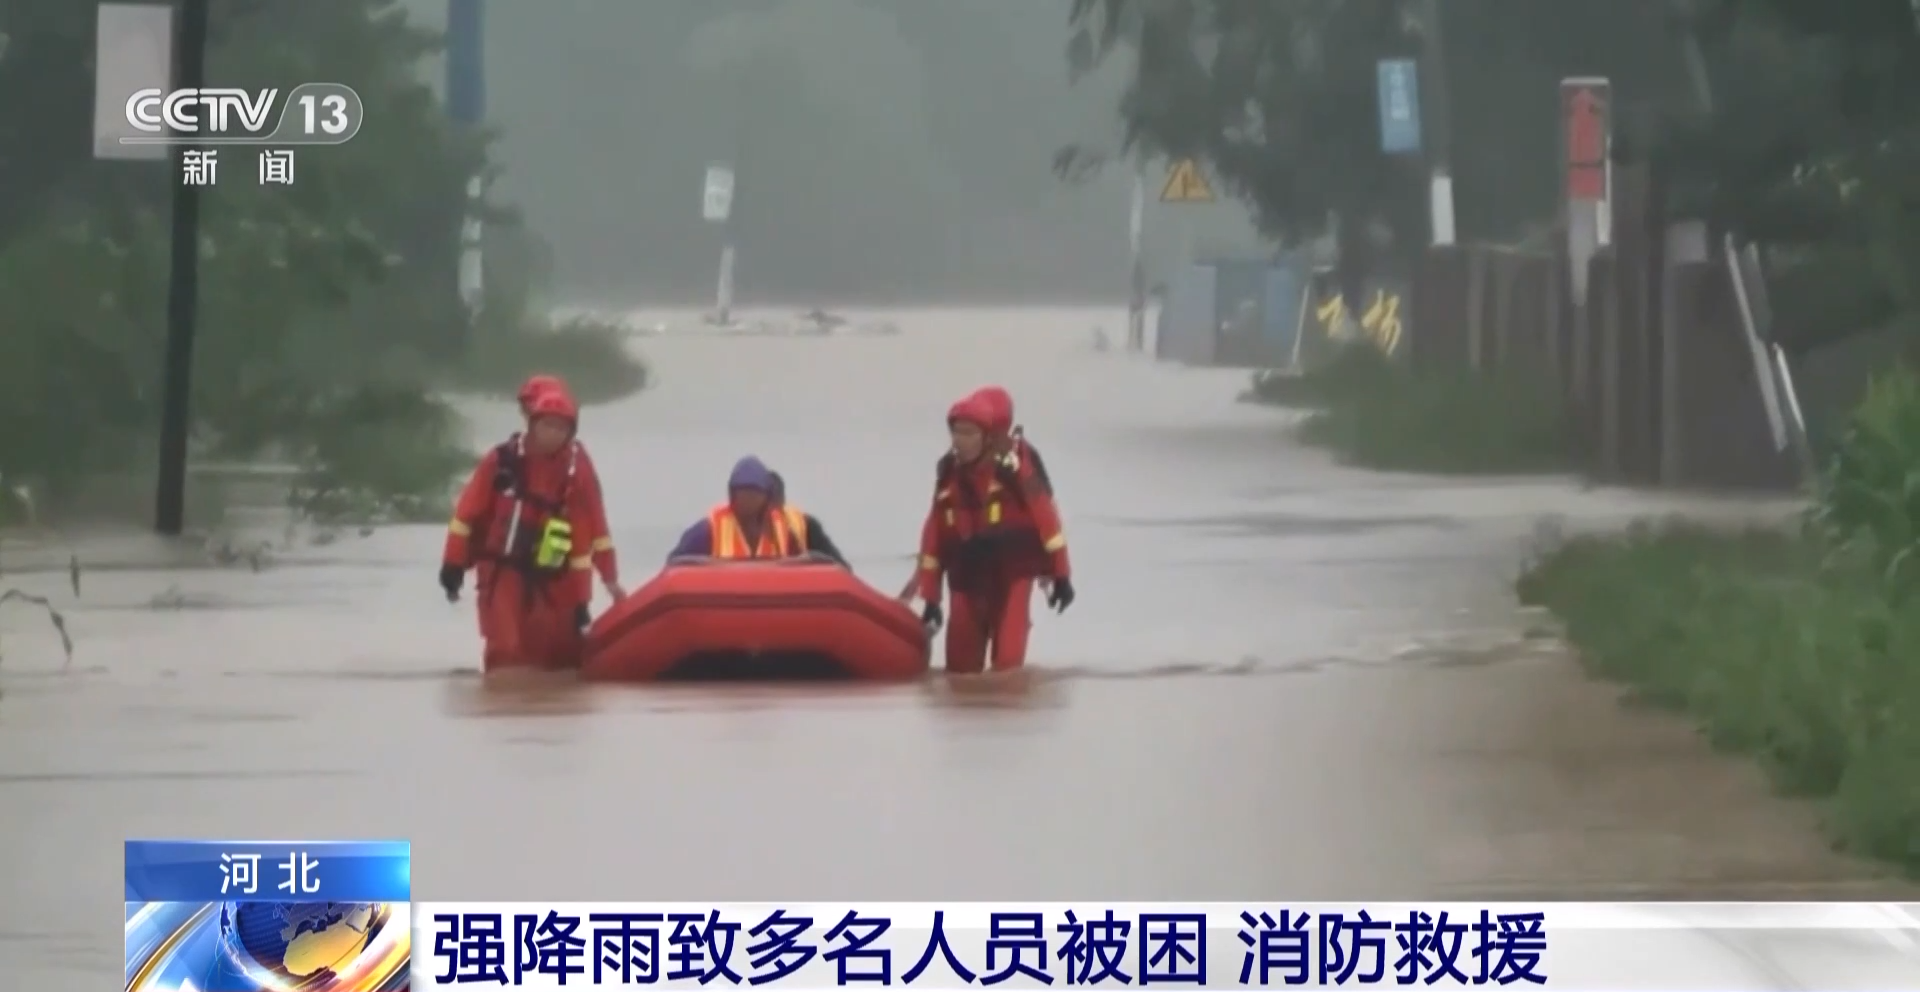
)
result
[(748, 524), (817, 540), (992, 531), (524, 525), (587, 481)]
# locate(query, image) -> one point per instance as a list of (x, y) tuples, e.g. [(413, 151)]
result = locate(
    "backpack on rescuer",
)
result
[(554, 544), (1006, 466)]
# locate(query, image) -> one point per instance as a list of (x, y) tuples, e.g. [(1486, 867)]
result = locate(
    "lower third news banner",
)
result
[(1588, 947), (268, 916)]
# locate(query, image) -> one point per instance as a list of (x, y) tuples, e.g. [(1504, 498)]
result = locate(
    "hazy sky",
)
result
[(886, 149)]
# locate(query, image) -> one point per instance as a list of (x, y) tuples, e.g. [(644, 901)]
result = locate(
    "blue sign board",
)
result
[(1399, 107), (466, 60)]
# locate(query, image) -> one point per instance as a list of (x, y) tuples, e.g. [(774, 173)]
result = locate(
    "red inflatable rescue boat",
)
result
[(756, 619)]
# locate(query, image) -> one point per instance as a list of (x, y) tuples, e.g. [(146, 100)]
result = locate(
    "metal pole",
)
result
[(1439, 104), (183, 292), (745, 90), (1136, 232), (467, 106)]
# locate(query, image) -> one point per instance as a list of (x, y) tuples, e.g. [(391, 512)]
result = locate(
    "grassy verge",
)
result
[(1778, 646), (592, 355), (1374, 412)]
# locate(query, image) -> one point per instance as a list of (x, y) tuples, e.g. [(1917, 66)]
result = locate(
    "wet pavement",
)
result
[(1282, 677)]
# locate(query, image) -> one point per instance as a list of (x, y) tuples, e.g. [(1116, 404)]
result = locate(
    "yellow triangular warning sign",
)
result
[(1186, 184)]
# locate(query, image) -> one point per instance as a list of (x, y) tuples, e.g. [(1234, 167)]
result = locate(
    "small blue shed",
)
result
[(1231, 312)]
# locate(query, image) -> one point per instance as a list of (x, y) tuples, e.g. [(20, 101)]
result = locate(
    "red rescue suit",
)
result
[(992, 530), (528, 611), (586, 480)]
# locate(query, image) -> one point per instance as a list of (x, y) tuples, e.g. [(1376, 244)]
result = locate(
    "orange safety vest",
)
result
[(786, 538)]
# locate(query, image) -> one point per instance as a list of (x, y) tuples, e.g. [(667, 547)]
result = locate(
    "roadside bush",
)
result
[(1382, 415), (1353, 369), (514, 337), (592, 355), (1870, 505), (1799, 647)]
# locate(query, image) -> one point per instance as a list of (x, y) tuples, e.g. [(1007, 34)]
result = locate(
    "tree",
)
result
[(1281, 100), (1807, 139), (1276, 98), (1812, 147), (319, 300)]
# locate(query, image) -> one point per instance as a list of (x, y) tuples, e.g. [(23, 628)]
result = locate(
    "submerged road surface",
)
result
[(1282, 677)]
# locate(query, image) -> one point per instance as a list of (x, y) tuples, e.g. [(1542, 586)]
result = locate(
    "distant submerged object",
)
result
[(811, 324), (823, 320)]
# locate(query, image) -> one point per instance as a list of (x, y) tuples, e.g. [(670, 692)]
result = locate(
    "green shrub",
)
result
[(1870, 503), (379, 454), (594, 356), (1779, 649), (1353, 369), (1386, 416)]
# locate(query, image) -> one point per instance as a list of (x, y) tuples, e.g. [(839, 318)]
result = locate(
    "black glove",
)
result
[(932, 617), (452, 577), (1062, 595), (582, 619)]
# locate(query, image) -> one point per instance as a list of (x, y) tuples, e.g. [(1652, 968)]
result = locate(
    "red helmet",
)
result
[(974, 409), (999, 403), (553, 403), (535, 385)]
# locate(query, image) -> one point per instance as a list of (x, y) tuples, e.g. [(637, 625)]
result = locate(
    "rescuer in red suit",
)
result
[(588, 479), (991, 532), (527, 527)]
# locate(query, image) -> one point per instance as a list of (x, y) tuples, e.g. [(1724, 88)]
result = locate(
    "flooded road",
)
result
[(1282, 676)]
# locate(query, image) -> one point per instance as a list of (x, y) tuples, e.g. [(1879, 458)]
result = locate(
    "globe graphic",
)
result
[(299, 943)]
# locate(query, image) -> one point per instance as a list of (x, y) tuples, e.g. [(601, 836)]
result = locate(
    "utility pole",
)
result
[(1137, 214), (1136, 244), (1439, 104), (718, 207), (467, 106), (183, 291)]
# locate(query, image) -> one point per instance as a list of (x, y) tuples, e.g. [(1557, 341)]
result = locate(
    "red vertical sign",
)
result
[(1585, 125)]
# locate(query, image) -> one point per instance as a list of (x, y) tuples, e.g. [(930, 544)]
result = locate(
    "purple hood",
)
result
[(750, 473)]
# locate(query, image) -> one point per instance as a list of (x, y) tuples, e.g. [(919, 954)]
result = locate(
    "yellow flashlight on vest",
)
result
[(556, 543)]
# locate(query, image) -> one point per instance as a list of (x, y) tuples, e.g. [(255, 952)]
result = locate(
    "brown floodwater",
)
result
[(1283, 677)]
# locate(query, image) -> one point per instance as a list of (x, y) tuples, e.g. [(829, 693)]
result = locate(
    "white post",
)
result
[(472, 249), (723, 298), (716, 207), (1440, 203), (1763, 371), (1136, 239)]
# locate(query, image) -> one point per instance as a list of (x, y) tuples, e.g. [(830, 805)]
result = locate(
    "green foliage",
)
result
[(1788, 122), (1351, 370), (1870, 505), (1813, 147), (593, 356), (1381, 414), (1281, 100), (1277, 98), (1774, 648), (327, 308), (1797, 647)]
